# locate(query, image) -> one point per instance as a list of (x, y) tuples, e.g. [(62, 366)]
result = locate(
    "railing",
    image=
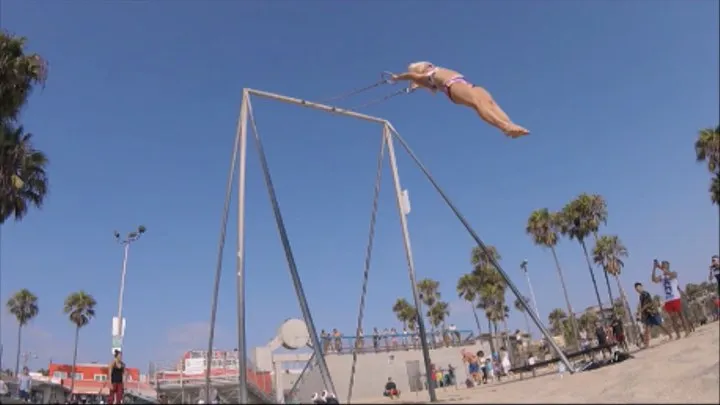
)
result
[(395, 342), (261, 383)]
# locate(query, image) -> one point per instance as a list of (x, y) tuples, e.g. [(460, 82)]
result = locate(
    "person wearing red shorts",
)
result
[(116, 371), (673, 296), (391, 391)]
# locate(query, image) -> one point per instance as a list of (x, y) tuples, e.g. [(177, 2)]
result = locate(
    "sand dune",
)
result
[(680, 371)]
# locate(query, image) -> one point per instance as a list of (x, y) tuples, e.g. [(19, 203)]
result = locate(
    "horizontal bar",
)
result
[(317, 106)]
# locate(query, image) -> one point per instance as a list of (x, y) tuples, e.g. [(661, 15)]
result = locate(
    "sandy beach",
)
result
[(678, 371)]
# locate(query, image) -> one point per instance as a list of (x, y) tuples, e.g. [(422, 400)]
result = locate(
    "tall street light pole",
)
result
[(131, 237)]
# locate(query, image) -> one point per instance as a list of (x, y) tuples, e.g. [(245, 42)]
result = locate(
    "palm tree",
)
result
[(429, 291), (587, 321), (556, 318), (542, 226), (492, 300), (23, 180), (405, 313), (597, 214), (438, 313), (468, 287), (80, 307), (707, 150), (574, 222), (609, 252), (518, 306), (19, 73), (24, 306), (429, 295)]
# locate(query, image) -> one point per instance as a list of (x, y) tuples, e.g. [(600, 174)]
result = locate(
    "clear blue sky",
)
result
[(139, 114)]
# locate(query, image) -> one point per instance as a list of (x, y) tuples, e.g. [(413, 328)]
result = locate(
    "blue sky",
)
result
[(139, 114)]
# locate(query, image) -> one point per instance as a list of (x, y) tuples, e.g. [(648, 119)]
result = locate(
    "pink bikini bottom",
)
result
[(457, 79)]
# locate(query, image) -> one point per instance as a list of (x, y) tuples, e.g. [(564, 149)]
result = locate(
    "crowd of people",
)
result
[(649, 313), (484, 369), (387, 339)]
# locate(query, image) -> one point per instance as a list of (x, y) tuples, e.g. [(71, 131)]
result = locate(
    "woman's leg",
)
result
[(482, 102)]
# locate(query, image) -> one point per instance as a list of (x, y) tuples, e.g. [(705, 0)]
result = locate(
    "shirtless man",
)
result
[(673, 298), (460, 91), (473, 366)]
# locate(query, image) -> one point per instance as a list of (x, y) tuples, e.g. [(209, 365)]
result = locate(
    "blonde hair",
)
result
[(419, 67)]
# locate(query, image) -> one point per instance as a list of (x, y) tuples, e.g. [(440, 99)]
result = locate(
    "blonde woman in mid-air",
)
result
[(460, 91)]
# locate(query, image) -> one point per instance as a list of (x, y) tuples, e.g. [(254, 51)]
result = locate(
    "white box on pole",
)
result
[(406, 201), (116, 330)]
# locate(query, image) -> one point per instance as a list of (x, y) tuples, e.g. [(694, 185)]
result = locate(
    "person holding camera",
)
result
[(715, 272), (673, 295)]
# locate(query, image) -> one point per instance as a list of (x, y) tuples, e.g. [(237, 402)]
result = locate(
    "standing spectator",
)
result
[(454, 333), (337, 336), (619, 333), (325, 341), (648, 314), (602, 338), (376, 338), (117, 379), (394, 338), (673, 296), (715, 272), (25, 385)]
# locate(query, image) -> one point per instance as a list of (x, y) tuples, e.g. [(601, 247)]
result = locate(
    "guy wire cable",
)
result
[(386, 79), (383, 99)]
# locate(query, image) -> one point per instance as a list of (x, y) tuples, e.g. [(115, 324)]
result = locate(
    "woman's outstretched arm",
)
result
[(408, 76)]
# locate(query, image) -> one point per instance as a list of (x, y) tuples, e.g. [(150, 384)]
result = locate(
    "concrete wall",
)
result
[(373, 369)]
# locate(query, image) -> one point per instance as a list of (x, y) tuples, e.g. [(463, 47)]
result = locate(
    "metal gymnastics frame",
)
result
[(240, 154)]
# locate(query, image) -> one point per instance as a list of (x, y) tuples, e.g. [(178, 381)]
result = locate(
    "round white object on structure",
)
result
[(294, 334)]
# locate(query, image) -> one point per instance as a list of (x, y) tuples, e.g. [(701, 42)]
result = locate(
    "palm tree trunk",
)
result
[(508, 345), (477, 320), (495, 333), (72, 377), (507, 334), (492, 336), (628, 312), (527, 322), (19, 349), (592, 277), (571, 314)]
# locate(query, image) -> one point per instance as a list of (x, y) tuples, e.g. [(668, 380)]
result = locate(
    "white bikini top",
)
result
[(430, 74)]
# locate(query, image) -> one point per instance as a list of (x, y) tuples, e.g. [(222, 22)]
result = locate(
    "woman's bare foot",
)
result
[(515, 131)]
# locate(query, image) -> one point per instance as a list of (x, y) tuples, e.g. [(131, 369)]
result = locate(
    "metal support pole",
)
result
[(219, 262), (292, 266), (240, 263), (410, 263), (480, 244)]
